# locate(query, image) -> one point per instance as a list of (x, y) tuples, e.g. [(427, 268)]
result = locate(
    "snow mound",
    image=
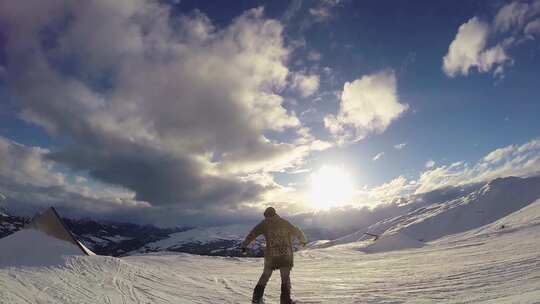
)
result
[(30, 247), (392, 242)]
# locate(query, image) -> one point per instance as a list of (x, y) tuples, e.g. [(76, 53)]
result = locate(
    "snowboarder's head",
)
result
[(269, 212)]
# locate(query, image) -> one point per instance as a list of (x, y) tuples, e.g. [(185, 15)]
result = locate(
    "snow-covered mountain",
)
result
[(418, 219), (429, 221), (117, 239), (9, 223)]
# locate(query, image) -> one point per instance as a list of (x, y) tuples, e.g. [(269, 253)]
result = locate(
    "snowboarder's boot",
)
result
[(286, 294), (258, 293)]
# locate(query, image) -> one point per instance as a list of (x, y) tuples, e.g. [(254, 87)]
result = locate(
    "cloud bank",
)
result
[(514, 160), (173, 110)]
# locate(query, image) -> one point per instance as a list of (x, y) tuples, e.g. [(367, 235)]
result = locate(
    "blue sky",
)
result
[(219, 109)]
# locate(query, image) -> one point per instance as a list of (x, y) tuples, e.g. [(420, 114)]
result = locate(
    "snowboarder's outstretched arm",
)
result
[(298, 233), (255, 232)]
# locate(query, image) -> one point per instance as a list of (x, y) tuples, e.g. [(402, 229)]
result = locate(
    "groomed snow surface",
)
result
[(488, 265)]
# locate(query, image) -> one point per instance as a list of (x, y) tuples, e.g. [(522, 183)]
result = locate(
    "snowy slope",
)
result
[(487, 205), (527, 217), (463, 271)]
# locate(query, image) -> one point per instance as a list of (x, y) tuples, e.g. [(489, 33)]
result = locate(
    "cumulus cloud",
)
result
[(378, 156), (306, 85), (368, 105), (163, 107), (400, 146), (470, 48)]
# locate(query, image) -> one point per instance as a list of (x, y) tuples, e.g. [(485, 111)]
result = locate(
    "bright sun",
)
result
[(331, 186)]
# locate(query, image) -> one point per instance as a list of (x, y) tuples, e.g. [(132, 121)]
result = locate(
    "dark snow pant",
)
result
[(285, 285)]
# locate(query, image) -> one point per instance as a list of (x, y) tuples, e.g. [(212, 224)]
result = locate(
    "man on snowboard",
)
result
[(278, 234)]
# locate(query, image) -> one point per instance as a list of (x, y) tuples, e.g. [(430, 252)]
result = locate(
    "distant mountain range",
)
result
[(119, 239), (421, 218)]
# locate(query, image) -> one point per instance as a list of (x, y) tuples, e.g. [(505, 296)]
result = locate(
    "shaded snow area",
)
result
[(468, 268), (31, 247)]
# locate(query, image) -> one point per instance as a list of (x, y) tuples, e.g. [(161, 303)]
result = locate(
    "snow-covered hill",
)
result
[(428, 222), (526, 218)]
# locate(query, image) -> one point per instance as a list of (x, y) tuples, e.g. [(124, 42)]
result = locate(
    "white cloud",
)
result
[(323, 11), (185, 103), (320, 13), (511, 16), (306, 85), (396, 187), (511, 25), (400, 146), (314, 56), (532, 28), (27, 165), (500, 154), (430, 163), (378, 156), (368, 105), (512, 160), (468, 50)]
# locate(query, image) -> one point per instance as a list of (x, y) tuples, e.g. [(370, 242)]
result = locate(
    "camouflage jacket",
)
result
[(278, 234)]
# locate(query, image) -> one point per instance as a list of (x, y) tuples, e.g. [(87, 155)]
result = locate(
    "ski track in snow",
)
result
[(489, 268)]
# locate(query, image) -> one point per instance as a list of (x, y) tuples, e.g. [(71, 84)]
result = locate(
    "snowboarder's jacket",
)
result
[(278, 233)]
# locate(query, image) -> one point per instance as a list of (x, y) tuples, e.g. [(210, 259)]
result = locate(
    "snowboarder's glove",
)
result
[(243, 250)]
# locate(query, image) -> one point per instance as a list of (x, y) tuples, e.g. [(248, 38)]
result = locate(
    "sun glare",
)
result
[(331, 186)]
